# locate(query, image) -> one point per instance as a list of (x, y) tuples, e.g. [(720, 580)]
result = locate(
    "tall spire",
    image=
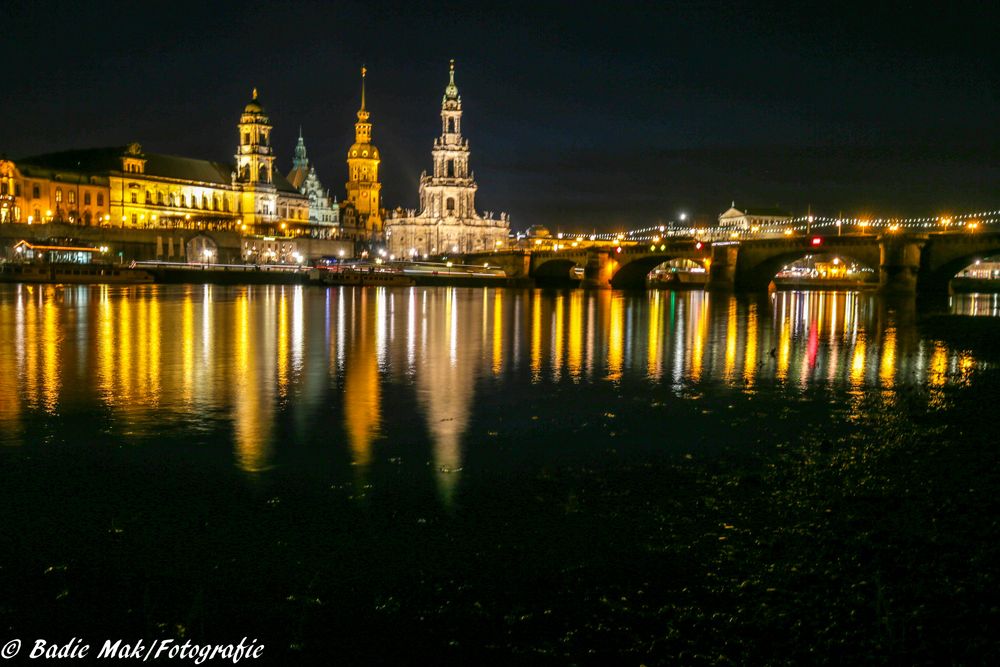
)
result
[(300, 159)]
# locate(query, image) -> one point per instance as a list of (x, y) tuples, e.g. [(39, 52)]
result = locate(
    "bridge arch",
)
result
[(632, 274), (555, 271), (937, 278), (757, 277)]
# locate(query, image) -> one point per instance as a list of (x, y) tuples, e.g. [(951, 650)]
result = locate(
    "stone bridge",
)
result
[(905, 263)]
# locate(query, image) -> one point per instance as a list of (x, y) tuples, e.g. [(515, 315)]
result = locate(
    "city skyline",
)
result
[(580, 130)]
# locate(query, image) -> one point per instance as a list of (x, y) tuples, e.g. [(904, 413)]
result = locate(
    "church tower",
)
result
[(254, 175), (447, 222), (451, 191), (363, 188)]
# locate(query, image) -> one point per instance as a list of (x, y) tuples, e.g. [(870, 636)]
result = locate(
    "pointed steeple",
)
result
[(362, 112), (300, 160), (451, 90)]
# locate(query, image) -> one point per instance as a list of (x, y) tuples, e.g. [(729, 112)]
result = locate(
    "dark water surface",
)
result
[(496, 476)]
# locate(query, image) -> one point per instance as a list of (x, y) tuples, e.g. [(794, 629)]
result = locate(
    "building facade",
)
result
[(744, 219), (364, 222), (324, 211), (447, 221), (126, 187)]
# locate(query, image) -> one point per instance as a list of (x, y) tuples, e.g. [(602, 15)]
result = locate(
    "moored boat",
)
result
[(15, 272)]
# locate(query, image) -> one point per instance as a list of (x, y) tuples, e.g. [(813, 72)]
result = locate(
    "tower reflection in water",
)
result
[(267, 368)]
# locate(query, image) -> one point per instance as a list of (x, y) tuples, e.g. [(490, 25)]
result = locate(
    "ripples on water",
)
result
[(269, 366)]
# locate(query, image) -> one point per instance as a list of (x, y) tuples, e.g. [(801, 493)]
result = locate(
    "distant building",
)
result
[(746, 218), (324, 212), (447, 221)]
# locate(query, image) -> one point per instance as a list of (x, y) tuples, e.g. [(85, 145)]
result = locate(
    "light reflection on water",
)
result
[(383, 360)]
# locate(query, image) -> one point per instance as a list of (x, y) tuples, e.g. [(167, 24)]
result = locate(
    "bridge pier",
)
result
[(899, 263), (722, 267), (601, 266)]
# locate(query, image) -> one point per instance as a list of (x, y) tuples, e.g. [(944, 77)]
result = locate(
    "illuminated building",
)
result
[(324, 212), (364, 221), (447, 221), (126, 187), (743, 218)]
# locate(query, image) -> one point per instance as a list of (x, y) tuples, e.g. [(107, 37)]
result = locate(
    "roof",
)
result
[(105, 161), (33, 246), (758, 211), (297, 176)]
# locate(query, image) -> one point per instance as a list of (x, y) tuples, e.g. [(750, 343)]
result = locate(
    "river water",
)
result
[(287, 457)]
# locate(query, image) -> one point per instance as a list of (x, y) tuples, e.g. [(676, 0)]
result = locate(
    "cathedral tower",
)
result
[(447, 222), (363, 188), (255, 167)]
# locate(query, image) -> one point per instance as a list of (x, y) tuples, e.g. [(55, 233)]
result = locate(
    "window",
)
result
[(225, 204), (135, 198), (135, 219), (450, 204), (3, 188), (100, 199), (149, 197), (451, 168), (58, 195), (246, 138), (159, 198), (17, 189), (86, 199), (72, 197)]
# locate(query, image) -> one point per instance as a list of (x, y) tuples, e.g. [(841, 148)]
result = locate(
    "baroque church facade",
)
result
[(447, 221)]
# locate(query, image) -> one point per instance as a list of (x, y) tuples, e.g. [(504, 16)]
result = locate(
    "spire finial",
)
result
[(364, 72), (255, 92), (451, 90), (300, 131)]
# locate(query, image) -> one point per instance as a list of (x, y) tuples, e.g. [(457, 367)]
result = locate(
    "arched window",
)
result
[(451, 168), (450, 205), (58, 195), (263, 173)]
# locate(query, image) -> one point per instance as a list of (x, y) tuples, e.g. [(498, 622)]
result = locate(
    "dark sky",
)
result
[(579, 115)]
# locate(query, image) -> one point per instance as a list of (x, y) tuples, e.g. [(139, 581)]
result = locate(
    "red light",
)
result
[(816, 240), (698, 245), (618, 249)]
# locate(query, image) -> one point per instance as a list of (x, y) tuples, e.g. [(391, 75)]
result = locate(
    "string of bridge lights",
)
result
[(807, 223)]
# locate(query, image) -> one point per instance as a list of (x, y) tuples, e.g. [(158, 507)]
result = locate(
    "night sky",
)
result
[(579, 116)]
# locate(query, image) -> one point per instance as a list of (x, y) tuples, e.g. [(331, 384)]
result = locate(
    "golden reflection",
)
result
[(858, 362), (252, 399), (654, 337), (557, 338), (124, 342), (51, 341), (498, 332), (616, 337), (362, 393), (536, 337), (938, 374), (732, 337), (282, 343), (887, 369), (574, 357), (784, 346), (187, 348), (10, 401), (750, 353), (698, 335)]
